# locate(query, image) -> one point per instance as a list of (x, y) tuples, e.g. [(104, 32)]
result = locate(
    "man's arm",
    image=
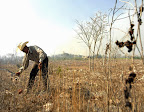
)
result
[(25, 64)]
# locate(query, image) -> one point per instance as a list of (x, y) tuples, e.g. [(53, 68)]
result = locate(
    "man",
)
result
[(40, 58)]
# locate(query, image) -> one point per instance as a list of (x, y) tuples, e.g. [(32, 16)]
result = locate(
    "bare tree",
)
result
[(98, 27), (84, 34), (92, 32), (114, 17)]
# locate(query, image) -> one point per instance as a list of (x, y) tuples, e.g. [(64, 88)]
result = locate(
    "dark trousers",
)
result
[(34, 72)]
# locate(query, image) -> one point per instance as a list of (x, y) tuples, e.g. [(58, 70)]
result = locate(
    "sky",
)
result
[(48, 24)]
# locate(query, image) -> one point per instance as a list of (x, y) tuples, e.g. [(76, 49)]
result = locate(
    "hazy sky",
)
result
[(46, 23)]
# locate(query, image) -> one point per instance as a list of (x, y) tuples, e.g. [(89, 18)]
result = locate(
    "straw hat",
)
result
[(22, 45)]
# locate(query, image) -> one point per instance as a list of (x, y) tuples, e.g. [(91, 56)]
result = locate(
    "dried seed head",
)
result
[(130, 80), (132, 25), (132, 37), (119, 44), (130, 86), (132, 74), (126, 93), (128, 104)]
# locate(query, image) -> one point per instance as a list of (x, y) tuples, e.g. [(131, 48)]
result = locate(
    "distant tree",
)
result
[(84, 33), (11, 59), (91, 33), (98, 29)]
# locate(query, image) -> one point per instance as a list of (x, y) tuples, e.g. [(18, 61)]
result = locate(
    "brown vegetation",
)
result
[(74, 88)]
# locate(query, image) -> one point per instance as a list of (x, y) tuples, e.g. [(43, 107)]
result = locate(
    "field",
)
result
[(73, 88)]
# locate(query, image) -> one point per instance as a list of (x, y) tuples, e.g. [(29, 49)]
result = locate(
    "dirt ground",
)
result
[(74, 88)]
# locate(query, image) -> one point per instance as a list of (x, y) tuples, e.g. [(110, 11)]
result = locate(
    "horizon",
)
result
[(49, 24)]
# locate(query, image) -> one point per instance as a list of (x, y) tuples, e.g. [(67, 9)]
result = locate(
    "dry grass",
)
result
[(73, 88)]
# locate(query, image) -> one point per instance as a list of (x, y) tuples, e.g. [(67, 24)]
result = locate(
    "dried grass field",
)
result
[(73, 88)]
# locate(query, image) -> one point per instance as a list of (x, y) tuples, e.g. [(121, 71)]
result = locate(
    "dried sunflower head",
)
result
[(119, 44), (132, 74), (128, 104)]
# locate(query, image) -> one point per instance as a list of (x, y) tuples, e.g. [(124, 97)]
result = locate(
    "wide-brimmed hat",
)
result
[(22, 45)]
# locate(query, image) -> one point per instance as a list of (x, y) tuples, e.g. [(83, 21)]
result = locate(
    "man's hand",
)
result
[(18, 74), (40, 65)]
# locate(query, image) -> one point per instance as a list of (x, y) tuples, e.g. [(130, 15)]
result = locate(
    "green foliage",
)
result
[(137, 57), (59, 70)]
